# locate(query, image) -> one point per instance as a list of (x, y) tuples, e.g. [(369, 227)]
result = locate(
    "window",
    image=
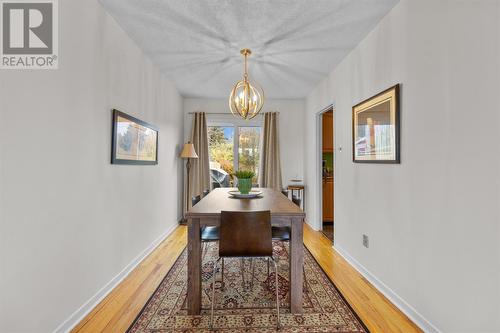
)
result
[(221, 153), (249, 149), (232, 147)]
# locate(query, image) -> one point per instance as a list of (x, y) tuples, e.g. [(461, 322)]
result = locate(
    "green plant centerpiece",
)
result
[(244, 180)]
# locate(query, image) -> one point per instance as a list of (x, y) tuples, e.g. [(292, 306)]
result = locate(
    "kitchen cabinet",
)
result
[(327, 131), (328, 199)]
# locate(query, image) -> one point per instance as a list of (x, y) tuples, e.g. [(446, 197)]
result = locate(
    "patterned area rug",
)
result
[(246, 302)]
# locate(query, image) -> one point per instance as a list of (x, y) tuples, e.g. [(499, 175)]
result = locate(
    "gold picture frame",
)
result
[(376, 128)]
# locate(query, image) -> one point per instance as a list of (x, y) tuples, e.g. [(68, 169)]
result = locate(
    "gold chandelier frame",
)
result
[(246, 99)]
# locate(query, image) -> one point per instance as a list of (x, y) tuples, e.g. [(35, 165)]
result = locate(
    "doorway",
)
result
[(327, 166)]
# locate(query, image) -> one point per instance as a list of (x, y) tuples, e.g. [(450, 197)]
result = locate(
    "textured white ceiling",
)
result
[(295, 43)]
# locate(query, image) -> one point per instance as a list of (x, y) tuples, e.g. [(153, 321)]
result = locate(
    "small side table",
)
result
[(300, 192)]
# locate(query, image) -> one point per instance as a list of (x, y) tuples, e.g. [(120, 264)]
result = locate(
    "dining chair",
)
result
[(195, 199), (296, 200), (282, 234), (207, 233), (245, 235), (205, 193)]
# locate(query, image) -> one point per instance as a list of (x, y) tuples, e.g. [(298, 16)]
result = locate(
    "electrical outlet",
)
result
[(365, 241)]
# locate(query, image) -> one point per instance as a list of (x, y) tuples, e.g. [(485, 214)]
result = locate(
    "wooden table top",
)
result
[(219, 200)]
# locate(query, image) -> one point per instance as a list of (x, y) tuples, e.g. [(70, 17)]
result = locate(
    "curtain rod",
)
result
[(228, 113)]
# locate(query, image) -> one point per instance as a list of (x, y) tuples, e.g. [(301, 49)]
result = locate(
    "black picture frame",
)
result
[(115, 158), (394, 92)]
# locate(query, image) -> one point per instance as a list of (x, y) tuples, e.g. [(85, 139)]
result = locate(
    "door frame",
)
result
[(319, 163)]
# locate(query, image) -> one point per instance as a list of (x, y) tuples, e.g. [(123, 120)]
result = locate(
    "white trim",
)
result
[(228, 120), (319, 163), (395, 299), (85, 309), (319, 173), (313, 227)]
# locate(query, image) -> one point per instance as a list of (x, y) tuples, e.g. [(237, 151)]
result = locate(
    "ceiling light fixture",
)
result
[(246, 99)]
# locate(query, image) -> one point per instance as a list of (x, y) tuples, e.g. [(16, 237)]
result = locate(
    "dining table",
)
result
[(207, 212)]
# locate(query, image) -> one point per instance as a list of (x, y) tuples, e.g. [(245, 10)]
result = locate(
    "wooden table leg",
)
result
[(194, 263), (296, 263)]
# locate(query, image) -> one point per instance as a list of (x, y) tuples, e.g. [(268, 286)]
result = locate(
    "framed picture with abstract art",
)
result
[(134, 141), (375, 128)]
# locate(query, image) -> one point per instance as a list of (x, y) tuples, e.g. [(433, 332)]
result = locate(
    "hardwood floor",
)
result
[(119, 309), (376, 311), (328, 231)]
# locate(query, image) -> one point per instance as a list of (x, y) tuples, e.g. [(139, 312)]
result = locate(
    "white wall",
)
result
[(433, 220), (69, 220), (290, 128)]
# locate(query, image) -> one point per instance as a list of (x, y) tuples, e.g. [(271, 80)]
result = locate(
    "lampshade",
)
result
[(188, 151)]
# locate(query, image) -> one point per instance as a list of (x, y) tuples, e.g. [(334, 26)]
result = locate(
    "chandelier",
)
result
[(246, 99)]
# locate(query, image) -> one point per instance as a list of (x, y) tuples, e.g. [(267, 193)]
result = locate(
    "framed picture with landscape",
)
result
[(375, 128), (134, 141)]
